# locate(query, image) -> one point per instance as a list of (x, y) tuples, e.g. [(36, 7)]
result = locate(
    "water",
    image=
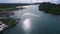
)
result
[(34, 21)]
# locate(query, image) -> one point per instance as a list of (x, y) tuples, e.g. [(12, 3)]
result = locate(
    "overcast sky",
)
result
[(28, 1)]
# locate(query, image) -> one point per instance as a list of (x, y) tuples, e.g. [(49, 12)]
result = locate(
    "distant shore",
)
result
[(50, 8)]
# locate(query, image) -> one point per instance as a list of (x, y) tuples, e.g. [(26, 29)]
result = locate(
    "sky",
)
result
[(28, 1)]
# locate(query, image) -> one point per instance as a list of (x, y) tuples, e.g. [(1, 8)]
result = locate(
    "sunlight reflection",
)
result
[(26, 24)]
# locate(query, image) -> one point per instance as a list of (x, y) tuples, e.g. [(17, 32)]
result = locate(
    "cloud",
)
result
[(14, 1), (54, 1), (26, 1), (58, 1)]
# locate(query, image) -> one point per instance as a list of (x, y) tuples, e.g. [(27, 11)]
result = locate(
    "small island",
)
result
[(51, 8)]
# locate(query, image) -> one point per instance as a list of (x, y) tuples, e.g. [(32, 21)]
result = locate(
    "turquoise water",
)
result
[(34, 21)]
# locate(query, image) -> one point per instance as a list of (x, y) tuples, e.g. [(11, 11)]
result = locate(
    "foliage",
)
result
[(9, 21), (7, 7), (50, 8)]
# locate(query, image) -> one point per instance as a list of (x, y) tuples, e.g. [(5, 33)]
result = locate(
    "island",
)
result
[(50, 8)]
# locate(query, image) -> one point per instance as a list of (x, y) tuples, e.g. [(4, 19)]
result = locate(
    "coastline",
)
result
[(1, 32), (50, 8), (4, 15), (6, 20)]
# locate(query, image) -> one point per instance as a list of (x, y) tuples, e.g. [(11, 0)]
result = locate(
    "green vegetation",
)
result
[(7, 7), (9, 21), (4, 16), (51, 8)]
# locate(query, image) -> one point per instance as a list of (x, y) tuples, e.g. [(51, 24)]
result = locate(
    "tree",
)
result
[(50, 8)]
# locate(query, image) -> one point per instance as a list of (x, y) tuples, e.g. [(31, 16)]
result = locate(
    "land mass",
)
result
[(51, 8), (11, 6), (5, 21)]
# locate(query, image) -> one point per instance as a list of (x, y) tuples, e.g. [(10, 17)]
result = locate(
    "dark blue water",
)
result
[(34, 21)]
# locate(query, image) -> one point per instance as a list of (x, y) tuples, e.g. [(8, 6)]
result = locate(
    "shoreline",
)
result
[(50, 8), (3, 15), (4, 29)]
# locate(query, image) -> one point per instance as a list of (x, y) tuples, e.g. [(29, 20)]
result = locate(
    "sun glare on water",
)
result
[(26, 24)]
